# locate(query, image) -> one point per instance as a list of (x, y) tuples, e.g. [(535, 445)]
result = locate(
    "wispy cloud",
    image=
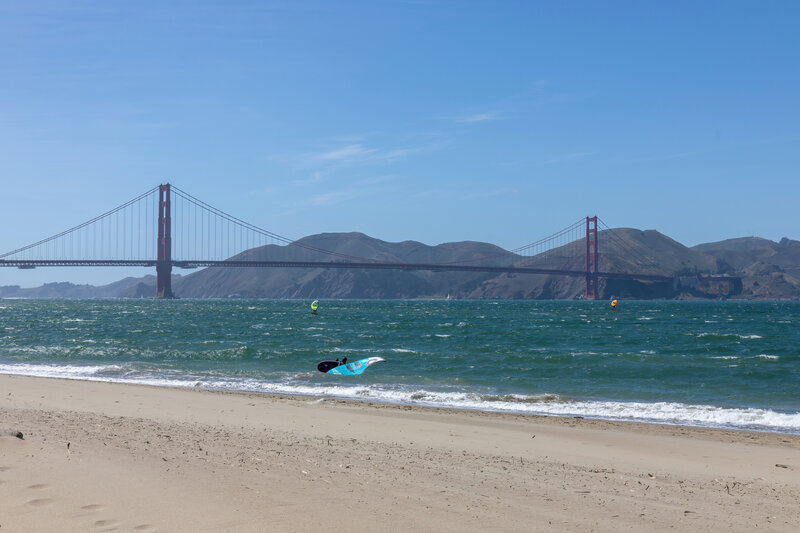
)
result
[(346, 169), (342, 155), (359, 154), (529, 98), (478, 117), (360, 189), (399, 153), (352, 151), (314, 178)]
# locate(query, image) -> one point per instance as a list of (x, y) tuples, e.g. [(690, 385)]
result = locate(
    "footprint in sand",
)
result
[(38, 486), (92, 507), (40, 502), (144, 527), (106, 525)]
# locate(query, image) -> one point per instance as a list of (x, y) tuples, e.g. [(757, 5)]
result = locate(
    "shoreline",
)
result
[(759, 428), (173, 459)]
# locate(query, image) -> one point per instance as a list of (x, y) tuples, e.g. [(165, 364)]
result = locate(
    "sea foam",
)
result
[(542, 404)]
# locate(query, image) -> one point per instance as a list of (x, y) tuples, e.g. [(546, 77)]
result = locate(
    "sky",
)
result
[(434, 121)]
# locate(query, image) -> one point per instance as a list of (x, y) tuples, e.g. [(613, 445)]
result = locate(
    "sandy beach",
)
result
[(113, 457)]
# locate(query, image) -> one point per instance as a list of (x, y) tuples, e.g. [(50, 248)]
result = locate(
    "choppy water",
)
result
[(728, 364)]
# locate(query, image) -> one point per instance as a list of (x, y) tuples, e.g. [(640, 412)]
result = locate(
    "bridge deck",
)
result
[(436, 267)]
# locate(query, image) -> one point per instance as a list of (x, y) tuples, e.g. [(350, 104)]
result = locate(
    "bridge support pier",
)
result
[(591, 258), (164, 244), (164, 280)]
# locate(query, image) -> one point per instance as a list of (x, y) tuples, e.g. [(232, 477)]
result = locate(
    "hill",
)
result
[(622, 250), (768, 270), (124, 288), (338, 283)]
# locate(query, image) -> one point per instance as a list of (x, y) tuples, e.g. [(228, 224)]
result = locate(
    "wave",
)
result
[(724, 336), (57, 371), (308, 384)]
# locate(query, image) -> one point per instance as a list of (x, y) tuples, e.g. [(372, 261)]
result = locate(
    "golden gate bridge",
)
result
[(168, 228)]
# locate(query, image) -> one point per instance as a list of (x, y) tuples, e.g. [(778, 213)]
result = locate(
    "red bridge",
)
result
[(185, 232)]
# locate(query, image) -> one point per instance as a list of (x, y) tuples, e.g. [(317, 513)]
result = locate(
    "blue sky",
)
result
[(434, 121)]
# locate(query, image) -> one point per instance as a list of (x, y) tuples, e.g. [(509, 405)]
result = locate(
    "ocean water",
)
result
[(720, 364)]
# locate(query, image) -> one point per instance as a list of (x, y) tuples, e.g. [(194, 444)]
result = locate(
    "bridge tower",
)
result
[(591, 258), (164, 245)]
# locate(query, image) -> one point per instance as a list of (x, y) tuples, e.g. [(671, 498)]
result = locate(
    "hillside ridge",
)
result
[(767, 270)]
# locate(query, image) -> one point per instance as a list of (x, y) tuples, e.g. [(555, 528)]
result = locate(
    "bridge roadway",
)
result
[(436, 267)]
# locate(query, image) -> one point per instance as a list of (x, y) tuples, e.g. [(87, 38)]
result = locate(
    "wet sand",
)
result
[(112, 457)]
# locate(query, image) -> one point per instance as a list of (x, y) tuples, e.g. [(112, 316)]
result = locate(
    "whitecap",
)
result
[(547, 404)]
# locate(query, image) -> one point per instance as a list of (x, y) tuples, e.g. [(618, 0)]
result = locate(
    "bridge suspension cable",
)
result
[(624, 247), (225, 226), (84, 240), (203, 234)]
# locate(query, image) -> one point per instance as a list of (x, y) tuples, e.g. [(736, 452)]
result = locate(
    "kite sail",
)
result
[(348, 369)]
